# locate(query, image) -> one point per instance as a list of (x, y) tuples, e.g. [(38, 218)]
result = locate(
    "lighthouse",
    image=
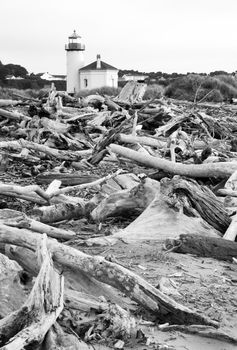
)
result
[(75, 61)]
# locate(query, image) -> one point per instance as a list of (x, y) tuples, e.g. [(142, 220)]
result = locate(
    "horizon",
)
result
[(170, 36)]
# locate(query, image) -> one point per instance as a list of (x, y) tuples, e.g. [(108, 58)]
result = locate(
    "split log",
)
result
[(52, 152), (31, 322), (131, 93), (211, 247), (110, 273), (17, 219), (217, 170)]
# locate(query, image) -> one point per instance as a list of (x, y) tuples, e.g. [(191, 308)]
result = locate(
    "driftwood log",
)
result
[(199, 198), (18, 219), (210, 247), (127, 202), (217, 170), (52, 152), (110, 273)]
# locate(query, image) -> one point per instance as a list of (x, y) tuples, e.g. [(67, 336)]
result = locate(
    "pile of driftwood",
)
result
[(170, 166)]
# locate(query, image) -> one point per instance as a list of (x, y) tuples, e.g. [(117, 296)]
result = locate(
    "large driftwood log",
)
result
[(31, 322), (217, 170), (110, 273), (163, 219), (127, 202), (79, 286), (200, 198), (210, 247)]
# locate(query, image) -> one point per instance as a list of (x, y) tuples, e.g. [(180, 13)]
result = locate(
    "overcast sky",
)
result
[(146, 35)]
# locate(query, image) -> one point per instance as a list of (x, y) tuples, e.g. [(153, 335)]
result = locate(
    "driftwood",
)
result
[(131, 93), (217, 170), (17, 219), (82, 291), (210, 247), (201, 199), (202, 331), (85, 185), (231, 231), (12, 295), (60, 212), (31, 322), (110, 273), (12, 115), (127, 202), (66, 179), (52, 152), (162, 219)]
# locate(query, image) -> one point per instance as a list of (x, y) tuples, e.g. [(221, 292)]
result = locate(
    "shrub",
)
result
[(224, 87), (153, 91), (105, 90)]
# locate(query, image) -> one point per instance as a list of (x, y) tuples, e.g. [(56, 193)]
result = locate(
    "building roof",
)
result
[(74, 35), (104, 66)]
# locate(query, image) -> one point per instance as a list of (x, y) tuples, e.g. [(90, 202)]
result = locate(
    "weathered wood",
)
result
[(217, 170), (17, 219), (31, 322), (127, 202), (12, 115), (59, 212), (110, 273), (211, 247), (231, 231), (202, 331), (201, 199), (52, 152), (85, 185), (66, 179), (132, 92), (163, 219)]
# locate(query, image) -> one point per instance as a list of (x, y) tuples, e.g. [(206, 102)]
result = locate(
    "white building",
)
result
[(94, 75), (98, 74), (136, 77), (50, 77)]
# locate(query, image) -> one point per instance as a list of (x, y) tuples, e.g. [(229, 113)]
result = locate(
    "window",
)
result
[(85, 82)]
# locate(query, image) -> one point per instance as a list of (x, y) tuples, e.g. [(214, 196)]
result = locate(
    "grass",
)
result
[(9, 93)]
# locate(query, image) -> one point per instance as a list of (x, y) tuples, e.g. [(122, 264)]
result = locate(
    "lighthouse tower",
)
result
[(75, 61)]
